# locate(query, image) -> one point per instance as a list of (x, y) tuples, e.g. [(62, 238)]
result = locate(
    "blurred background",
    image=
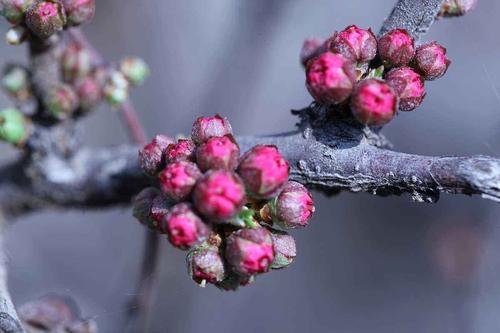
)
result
[(365, 264)]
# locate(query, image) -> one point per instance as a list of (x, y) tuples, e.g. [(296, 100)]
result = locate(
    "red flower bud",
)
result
[(79, 11), (152, 155), (263, 170), (431, 61), (219, 195), (89, 92), (330, 78), (396, 48), (183, 150), (142, 205), (310, 49), (76, 62), (184, 228), (250, 251), (45, 18), (205, 264), (14, 10), (178, 179), (408, 85), (451, 8), (218, 153), (374, 102), (293, 207), (206, 127), (355, 44), (284, 249), (61, 101)]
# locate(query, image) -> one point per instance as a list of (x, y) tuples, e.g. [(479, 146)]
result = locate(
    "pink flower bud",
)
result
[(61, 101), (79, 11), (142, 205), (264, 171), (160, 207), (355, 44), (14, 10), (89, 92), (451, 8), (250, 251), (310, 49), (152, 155), (219, 195), (431, 61), (330, 78), (374, 102), (206, 127), (396, 48), (408, 85), (45, 18), (284, 249), (218, 153), (184, 228), (205, 264), (178, 179), (183, 150), (76, 62), (293, 207)]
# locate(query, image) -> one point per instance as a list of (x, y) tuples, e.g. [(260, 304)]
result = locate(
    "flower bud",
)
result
[(451, 8), (184, 228), (355, 44), (89, 92), (13, 126), (45, 18), (135, 70), (264, 171), (14, 10), (16, 82), (178, 179), (159, 208), (218, 153), (374, 102), (152, 155), (76, 62), (396, 48), (61, 101), (219, 195), (250, 251), (183, 150), (205, 264), (79, 11), (431, 61), (408, 85), (116, 89), (284, 249), (206, 127), (16, 35), (142, 205), (293, 207), (310, 49), (330, 78)]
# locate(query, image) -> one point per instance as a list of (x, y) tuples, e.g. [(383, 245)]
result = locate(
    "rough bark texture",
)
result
[(328, 152)]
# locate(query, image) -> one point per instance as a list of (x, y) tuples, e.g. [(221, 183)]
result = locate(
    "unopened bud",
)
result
[(408, 85), (355, 44), (45, 18), (178, 179), (396, 48), (206, 127), (135, 70), (184, 228), (451, 8), (16, 35), (13, 126), (152, 155), (76, 62), (284, 249), (431, 61), (14, 10), (205, 264), (62, 101), (116, 89), (218, 153), (16, 82), (79, 11)]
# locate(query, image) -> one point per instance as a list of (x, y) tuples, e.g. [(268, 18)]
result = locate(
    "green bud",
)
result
[(13, 127), (16, 83), (116, 89), (135, 70)]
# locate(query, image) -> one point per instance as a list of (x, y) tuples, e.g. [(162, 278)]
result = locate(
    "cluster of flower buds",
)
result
[(44, 18), (222, 206), (372, 77)]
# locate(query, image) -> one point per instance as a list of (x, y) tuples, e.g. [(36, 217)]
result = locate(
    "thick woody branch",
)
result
[(416, 16)]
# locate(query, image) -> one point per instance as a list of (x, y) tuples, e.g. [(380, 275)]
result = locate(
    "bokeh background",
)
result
[(366, 264)]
